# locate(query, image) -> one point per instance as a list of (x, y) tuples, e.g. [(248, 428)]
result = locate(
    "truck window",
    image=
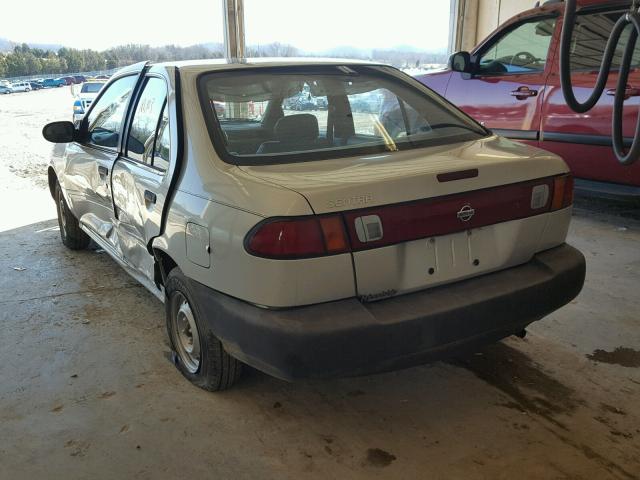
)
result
[(590, 37), (523, 49)]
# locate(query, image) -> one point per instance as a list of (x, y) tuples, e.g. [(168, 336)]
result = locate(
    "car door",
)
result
[(141, 176), (88, 164), (584, 140), (507, 86)]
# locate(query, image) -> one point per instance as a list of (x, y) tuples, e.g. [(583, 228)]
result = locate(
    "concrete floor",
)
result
[(87, 389)]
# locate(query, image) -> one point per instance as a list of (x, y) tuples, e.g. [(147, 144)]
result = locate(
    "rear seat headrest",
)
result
[(294, 128)]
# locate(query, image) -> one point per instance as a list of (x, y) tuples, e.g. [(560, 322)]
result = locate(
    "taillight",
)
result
[(562, 192), (302, 237), (335, 238), (362, 229)]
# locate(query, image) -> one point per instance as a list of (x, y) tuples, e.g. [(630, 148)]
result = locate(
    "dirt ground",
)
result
[(87, 389)]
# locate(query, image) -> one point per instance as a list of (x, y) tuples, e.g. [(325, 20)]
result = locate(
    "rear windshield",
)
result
[(91, 87), (293, 114)]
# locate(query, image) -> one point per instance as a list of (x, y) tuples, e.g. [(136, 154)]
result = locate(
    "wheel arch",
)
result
[(163, 264)]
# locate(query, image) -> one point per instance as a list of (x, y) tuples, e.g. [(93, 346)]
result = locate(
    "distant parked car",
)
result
[(21, 87), (4, 90), (87, 95), (80, 78), (53, 82), (68, 80), (102, 77), (366, 103), (36, 85), (322, 103), (301, 102)]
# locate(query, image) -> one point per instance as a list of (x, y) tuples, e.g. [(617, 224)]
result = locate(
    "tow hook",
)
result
[(521, 334)]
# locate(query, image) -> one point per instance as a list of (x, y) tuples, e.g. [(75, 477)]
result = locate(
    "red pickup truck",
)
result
[(511, 83)]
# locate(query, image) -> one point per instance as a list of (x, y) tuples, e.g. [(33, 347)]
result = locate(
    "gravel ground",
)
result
[(24, 154)]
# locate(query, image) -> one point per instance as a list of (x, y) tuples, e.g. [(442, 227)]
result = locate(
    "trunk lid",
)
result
[(429, 193), (384, 179)]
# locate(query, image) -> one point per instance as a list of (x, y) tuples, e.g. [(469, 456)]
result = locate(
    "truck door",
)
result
[(507, 88), (584, 140), (141, 176)]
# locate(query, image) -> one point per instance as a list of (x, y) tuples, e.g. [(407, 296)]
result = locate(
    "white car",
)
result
[(88, 93), (21, 87), (316, 244)]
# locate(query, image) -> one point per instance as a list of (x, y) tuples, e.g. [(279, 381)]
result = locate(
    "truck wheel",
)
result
[(70, 232), (199, 355)]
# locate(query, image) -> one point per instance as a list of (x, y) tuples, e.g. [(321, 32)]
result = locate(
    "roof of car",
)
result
[(234, 64)]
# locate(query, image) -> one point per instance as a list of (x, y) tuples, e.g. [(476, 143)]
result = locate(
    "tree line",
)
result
[(27, 61)]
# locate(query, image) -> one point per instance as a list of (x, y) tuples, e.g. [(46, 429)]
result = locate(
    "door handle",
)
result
[(149, 197), (628, 92), (522, 93), (103, 171)]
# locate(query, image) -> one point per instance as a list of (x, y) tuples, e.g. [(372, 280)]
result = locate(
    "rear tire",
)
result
[(71, 234), (198, 354)]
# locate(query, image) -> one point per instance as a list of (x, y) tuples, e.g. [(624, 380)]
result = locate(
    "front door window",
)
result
[(522, 50), (105, 118)]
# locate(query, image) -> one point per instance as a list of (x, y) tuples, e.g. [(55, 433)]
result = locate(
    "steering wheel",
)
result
[(524, 58)]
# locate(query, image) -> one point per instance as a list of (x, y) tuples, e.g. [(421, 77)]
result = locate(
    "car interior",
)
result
[(296, 113)]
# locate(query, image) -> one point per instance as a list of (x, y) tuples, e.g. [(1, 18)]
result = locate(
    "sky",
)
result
[(313, 26)]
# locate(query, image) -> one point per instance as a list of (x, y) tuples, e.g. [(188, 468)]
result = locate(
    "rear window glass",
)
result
[(91, 87), (281, 115)]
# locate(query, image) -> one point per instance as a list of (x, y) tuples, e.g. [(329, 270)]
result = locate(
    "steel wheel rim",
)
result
[(63, 218), (185, 334)]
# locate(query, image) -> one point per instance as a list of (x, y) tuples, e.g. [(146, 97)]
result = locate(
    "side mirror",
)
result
[(59, 132), (461, 62)]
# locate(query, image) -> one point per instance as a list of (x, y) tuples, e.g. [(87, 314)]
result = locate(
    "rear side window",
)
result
[(291, 114), (523, 49), (590, 36), (105, 118), (142, 143), (162, 151)]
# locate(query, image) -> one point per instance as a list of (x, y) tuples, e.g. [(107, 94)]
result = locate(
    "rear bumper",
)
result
[(348, 337)]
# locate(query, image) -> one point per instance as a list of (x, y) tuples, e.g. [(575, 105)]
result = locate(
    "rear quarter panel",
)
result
[(233, 271)]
